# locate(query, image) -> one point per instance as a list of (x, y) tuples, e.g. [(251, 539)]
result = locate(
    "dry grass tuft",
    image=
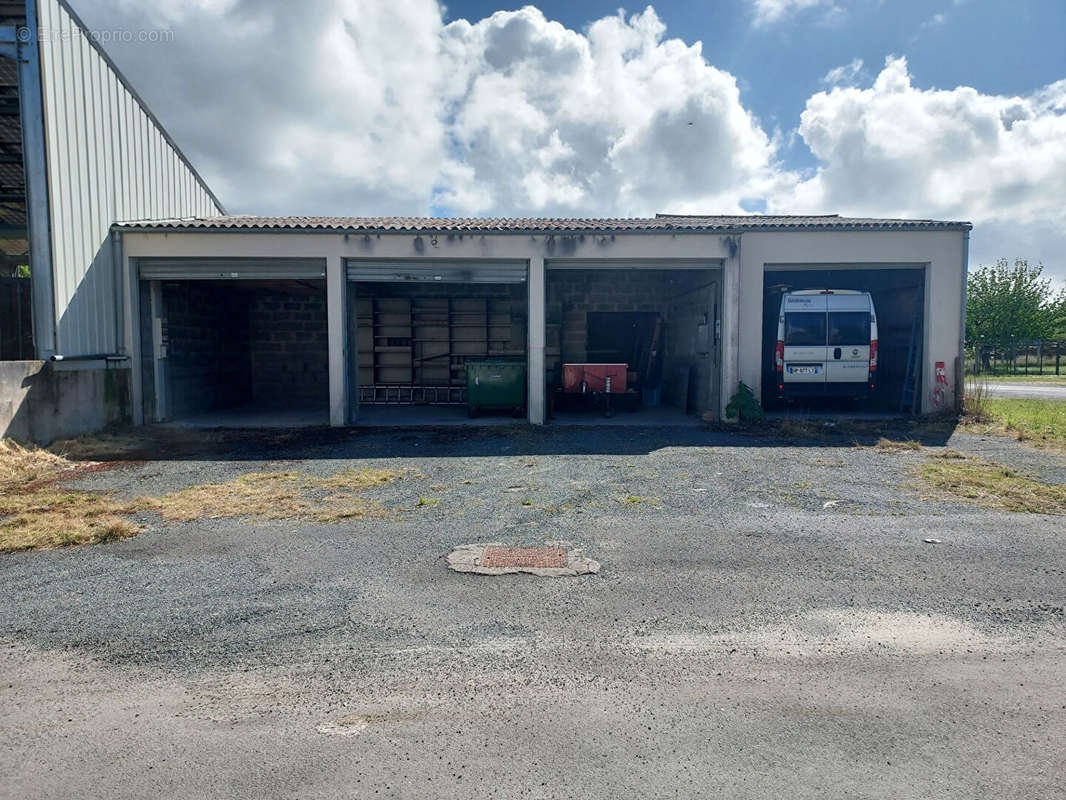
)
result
[(44, 531), (279, 495), (896, 446), (261, 495), (34, 513), (991, 485), (950, 454), (637, 499), (37, 513), (360, 479), (975, 398), (101, 446), (50, 516), (19, 464)]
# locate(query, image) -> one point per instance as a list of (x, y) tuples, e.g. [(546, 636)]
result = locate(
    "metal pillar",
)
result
[(535, 313), (731, 328), (337, 322), (159, 352)]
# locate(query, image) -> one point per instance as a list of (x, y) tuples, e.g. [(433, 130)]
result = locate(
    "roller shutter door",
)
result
[(436, 271), (213, 269)]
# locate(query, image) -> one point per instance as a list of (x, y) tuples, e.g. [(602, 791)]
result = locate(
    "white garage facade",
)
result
[(329, 318)]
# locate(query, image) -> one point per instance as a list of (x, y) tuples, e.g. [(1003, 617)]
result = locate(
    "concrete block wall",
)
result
[(289, 349), (572, 294), (207, 336)]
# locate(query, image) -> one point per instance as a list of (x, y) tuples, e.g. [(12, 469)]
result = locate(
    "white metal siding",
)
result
[(107, 161)]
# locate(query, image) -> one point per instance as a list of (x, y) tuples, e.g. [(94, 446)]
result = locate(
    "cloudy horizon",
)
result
[(350, 107)]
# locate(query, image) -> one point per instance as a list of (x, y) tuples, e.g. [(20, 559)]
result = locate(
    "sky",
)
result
[(944, 109)]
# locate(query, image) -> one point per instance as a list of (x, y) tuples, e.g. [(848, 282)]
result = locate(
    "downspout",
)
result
[(120, 291)]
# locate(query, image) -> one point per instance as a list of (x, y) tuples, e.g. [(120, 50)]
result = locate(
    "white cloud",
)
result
[(899, 150), (769, 12), (844, 74), (356, 106), (361, 107), (309, 107), (619, 119)]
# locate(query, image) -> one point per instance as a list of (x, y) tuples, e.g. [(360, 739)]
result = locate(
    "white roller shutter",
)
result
[(213, 269), (436, 271)]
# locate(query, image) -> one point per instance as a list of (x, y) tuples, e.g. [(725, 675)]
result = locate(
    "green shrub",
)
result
[(743, 405)]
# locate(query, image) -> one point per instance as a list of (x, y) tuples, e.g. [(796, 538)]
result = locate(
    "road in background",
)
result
[(1046, 391)]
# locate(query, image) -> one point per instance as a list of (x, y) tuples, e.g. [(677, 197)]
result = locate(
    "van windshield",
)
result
[(849, 327), (805, 329)]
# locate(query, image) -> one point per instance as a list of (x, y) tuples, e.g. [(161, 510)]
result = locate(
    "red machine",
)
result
[(601, 386), (586, 378)]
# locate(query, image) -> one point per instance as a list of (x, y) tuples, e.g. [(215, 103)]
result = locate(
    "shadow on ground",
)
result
[(164, 443)]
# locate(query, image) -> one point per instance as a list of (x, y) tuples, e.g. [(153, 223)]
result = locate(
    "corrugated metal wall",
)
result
[(108, 160)]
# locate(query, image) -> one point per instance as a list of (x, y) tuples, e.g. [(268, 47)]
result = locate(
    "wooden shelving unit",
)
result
[(414, 350)]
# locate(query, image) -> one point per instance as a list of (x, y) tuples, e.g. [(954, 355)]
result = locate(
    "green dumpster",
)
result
[(495, 383)]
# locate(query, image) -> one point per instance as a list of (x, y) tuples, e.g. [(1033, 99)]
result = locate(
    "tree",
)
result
[(1005, 302)]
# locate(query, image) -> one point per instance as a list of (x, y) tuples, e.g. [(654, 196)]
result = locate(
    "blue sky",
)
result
[(996, 46), (951, 109)]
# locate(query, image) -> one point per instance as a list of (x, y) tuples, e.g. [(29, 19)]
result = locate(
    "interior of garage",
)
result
[(899, 302), (235, 353), (412, 342), (659, 323)]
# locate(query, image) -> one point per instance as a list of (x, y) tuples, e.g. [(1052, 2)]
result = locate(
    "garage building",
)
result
[(344, 321)]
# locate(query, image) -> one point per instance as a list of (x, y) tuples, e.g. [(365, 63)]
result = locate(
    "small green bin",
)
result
[(495, 383)]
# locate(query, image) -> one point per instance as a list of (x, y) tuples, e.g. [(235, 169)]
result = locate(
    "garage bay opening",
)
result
[(634, 345), (898, 300), (439, 343), (243, 351)]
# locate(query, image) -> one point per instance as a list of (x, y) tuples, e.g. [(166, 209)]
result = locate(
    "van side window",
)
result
[(804, 329), (849, 327)]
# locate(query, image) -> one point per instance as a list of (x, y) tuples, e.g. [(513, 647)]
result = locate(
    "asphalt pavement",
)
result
[(1047, 391), (768, 621)]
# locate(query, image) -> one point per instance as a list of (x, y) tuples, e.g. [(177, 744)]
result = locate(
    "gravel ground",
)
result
[(768, 622)]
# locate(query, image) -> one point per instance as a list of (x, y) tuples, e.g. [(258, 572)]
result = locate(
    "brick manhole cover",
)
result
[(494, 558), (523, 557)]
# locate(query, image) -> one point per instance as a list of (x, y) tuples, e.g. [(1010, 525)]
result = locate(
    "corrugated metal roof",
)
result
[(658, 223)]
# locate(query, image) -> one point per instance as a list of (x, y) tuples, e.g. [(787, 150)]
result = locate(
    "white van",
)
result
[(826, 344)]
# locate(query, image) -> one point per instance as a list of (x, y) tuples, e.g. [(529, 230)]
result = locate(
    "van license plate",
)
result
[(804, 370)]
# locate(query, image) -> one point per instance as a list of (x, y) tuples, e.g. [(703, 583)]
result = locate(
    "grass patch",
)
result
[(278, 495), (51, 517), (360, 479), (37, 513), (20, 464), (991, 485), (1036, 420), (429, 501)]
